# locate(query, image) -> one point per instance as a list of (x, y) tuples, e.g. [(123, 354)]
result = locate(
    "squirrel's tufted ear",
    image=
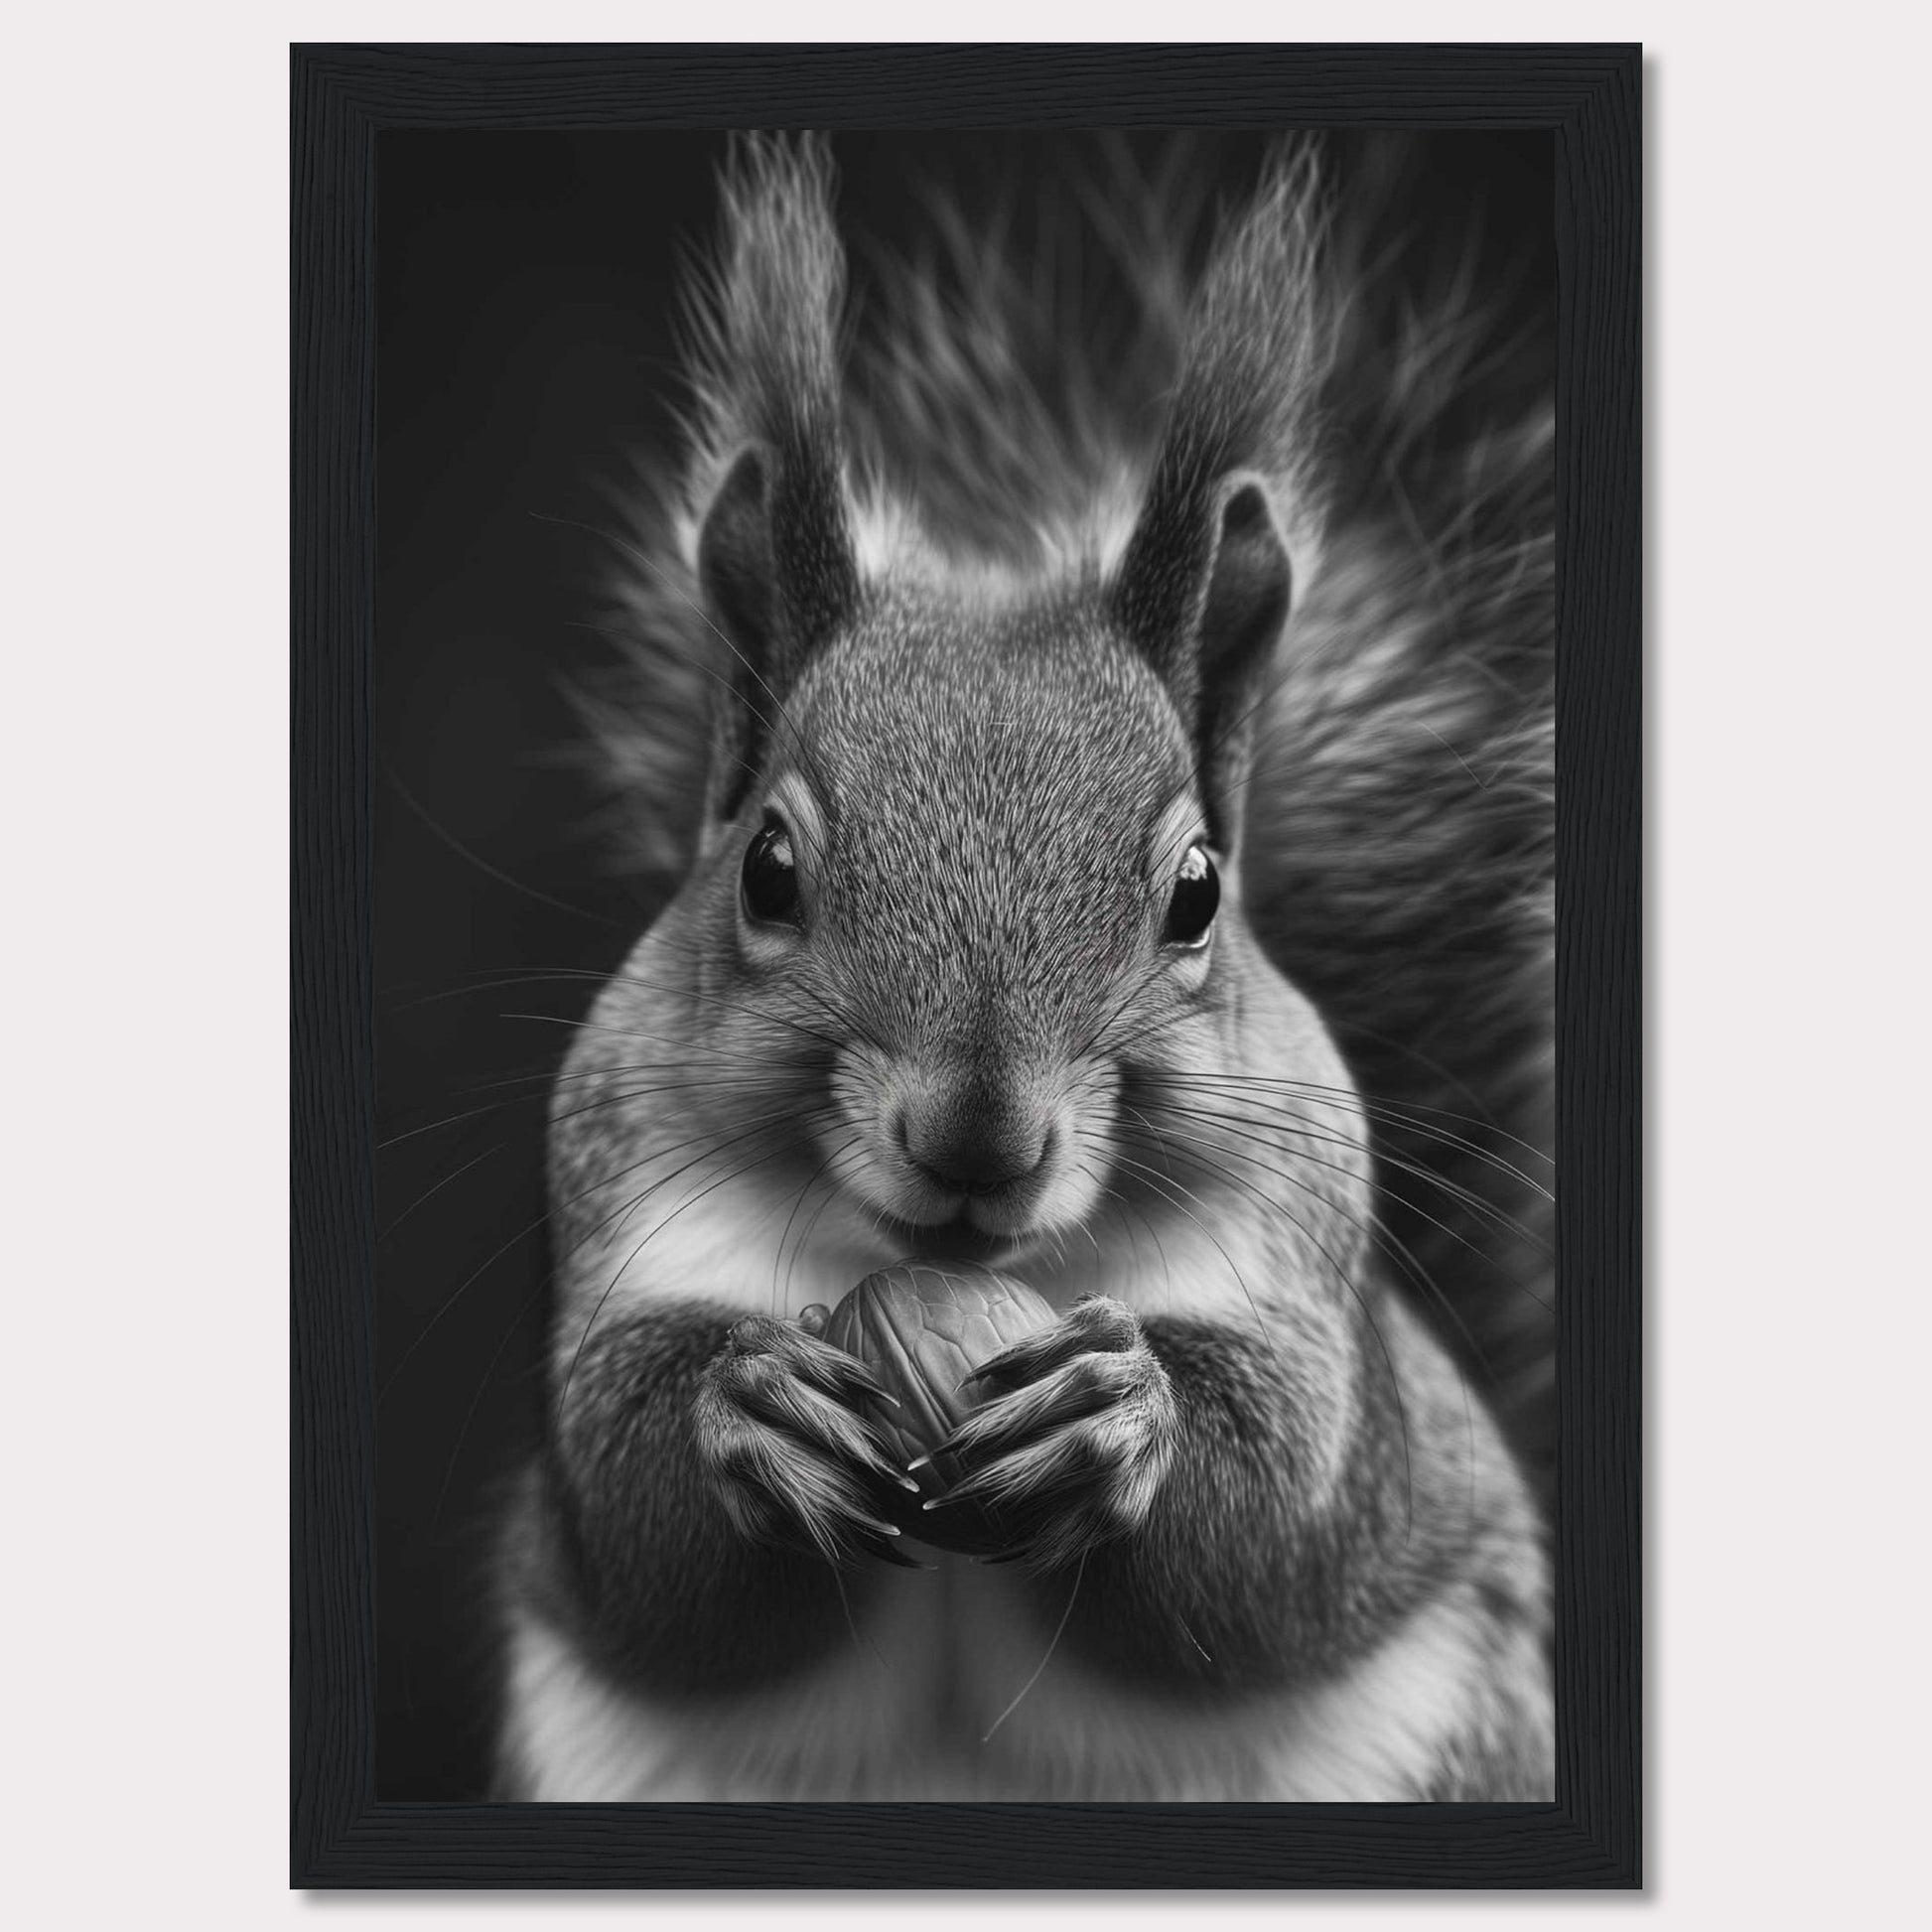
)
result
[(734, 562), (775, 566), (775, 558), (1204, 594)]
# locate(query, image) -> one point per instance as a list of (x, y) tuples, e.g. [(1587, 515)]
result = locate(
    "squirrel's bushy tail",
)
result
[(1009, 392), (1400, 841)]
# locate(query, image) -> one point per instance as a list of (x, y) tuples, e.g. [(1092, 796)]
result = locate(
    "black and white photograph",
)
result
[(1093, 868), (964, 966)]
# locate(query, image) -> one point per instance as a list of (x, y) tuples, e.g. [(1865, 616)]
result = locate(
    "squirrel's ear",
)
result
[(775, 566), (734, 562), (1204, 594)]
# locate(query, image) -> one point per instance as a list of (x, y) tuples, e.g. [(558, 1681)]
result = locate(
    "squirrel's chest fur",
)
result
[(911, 1709)]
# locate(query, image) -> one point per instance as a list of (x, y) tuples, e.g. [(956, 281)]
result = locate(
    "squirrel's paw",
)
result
[(1073, 1436), (776, 1429)]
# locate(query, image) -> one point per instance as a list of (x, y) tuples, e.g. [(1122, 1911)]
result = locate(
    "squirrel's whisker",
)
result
[(711, 1083), (780, 1291), (1405, 1113), (624, 1267), (1371, 1230), (1246, 1126), (532, 1227), (455, 1173)]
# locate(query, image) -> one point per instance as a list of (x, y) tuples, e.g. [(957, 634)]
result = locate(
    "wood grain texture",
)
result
[(342, 1836)]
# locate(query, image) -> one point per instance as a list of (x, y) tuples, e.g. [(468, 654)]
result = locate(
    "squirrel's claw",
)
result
[(1082, 1387), (1076, 1454), (791, 1460)]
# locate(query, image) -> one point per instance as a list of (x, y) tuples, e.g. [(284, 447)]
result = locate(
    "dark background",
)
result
[(526, 347)]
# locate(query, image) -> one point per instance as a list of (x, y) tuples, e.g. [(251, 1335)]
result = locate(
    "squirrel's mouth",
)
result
[(934, 1208), (959, 1239)]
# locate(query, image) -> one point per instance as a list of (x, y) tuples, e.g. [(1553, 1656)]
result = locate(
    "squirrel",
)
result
[(1114, 821)]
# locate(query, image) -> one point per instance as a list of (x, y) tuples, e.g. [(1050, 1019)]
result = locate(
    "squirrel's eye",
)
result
[(1196, 899), (771, 875)]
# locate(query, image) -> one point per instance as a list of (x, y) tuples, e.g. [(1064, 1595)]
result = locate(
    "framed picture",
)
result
[(966, 995)]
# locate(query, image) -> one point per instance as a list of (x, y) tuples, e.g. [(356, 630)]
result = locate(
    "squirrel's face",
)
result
[(959, 849), (978, 870)]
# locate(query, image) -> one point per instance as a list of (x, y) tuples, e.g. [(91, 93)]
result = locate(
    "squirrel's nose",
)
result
[(973, 1156)]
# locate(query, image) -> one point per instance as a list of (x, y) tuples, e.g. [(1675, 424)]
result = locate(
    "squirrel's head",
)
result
[(974, 855), (980, 851)]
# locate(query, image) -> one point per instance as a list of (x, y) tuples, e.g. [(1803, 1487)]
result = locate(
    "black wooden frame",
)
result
[(342, 1835)]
